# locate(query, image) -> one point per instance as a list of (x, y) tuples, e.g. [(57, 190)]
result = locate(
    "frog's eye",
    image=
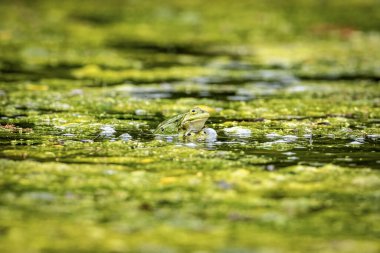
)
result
[(193, 111)]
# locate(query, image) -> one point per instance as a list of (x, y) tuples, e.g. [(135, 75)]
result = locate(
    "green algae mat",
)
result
[(292, 89)]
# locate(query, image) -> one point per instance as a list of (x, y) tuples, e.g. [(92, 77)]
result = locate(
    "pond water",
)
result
[(282, 139)]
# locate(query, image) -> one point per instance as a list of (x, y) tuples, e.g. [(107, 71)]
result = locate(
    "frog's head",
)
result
[(195, 119)]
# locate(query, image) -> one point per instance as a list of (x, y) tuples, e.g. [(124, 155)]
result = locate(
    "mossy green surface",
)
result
[(83, 86)]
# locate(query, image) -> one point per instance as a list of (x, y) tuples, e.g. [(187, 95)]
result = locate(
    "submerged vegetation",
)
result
[(293, 94)]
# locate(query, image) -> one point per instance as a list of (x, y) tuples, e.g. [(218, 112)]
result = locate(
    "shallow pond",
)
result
[(294, 167)]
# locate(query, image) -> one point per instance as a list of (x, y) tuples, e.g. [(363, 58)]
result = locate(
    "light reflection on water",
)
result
[(288, 150), (280, 150)]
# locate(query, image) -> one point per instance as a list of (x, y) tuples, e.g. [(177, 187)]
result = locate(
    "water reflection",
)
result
[(299, 150), (278, 150)]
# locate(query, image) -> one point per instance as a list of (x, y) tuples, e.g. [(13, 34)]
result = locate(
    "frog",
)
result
[(185, 123)]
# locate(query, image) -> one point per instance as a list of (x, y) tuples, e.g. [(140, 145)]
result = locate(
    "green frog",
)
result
[(185, 123)]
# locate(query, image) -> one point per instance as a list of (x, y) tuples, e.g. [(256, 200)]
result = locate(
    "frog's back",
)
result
[(170, 126)]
